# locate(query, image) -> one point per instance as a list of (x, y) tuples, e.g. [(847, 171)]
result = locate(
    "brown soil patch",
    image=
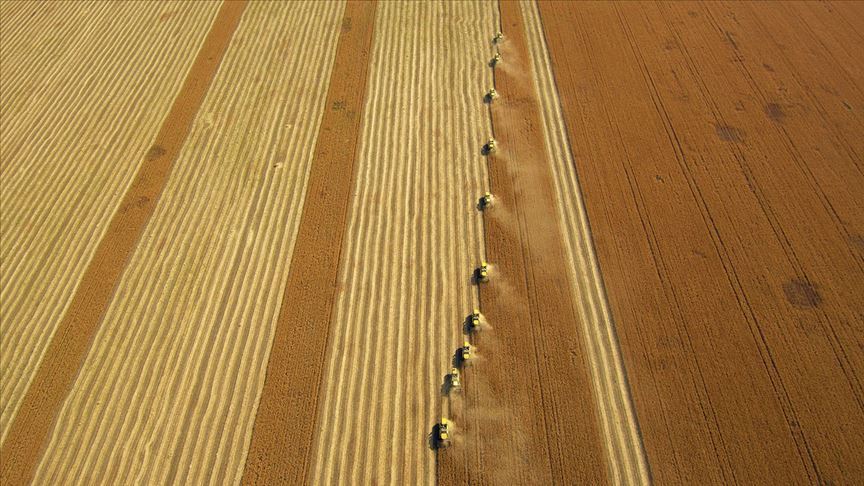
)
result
[(282, 440), (529, 414), (56, 374)]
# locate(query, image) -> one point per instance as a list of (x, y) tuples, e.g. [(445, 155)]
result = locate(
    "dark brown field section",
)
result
[(720, 153), (32, 425), (285, 423), (529, 415)]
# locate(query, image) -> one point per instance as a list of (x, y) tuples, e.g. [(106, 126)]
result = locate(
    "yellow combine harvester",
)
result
[(455, 380), (481, 274), (475, 320), (491, 145), (443, 435), (467, 352)]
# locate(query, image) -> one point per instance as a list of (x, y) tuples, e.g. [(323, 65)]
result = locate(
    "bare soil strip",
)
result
[(50, 385), (534, 419), (282, 439), (719, 172)]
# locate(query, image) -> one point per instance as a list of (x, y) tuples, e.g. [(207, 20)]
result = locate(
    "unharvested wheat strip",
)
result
[(620, 466), (38, 313), (609, 377)]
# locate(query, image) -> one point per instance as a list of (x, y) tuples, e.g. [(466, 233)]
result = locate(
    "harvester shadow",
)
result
[(431, 440), (476, 278), (481, 205), (447, 385), (458, 360), (467, 325)]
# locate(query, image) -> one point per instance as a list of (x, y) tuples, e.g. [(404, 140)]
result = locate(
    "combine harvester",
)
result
[(442, 433), (474, 321), (481, 274), (455, 380), (490, 146), (466, 353)]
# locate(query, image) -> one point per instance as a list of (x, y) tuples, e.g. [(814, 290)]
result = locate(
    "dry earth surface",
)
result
[(236, 242)]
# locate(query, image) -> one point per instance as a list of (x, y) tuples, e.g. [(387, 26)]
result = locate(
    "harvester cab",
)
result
[(443, 437), (455, 380), (482, 272), (490, 146), (486, 201), (475, 320), (467, 352)]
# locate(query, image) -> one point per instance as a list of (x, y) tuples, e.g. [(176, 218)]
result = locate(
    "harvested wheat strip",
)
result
[(61, 183), (413, 236), (194, 312)]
